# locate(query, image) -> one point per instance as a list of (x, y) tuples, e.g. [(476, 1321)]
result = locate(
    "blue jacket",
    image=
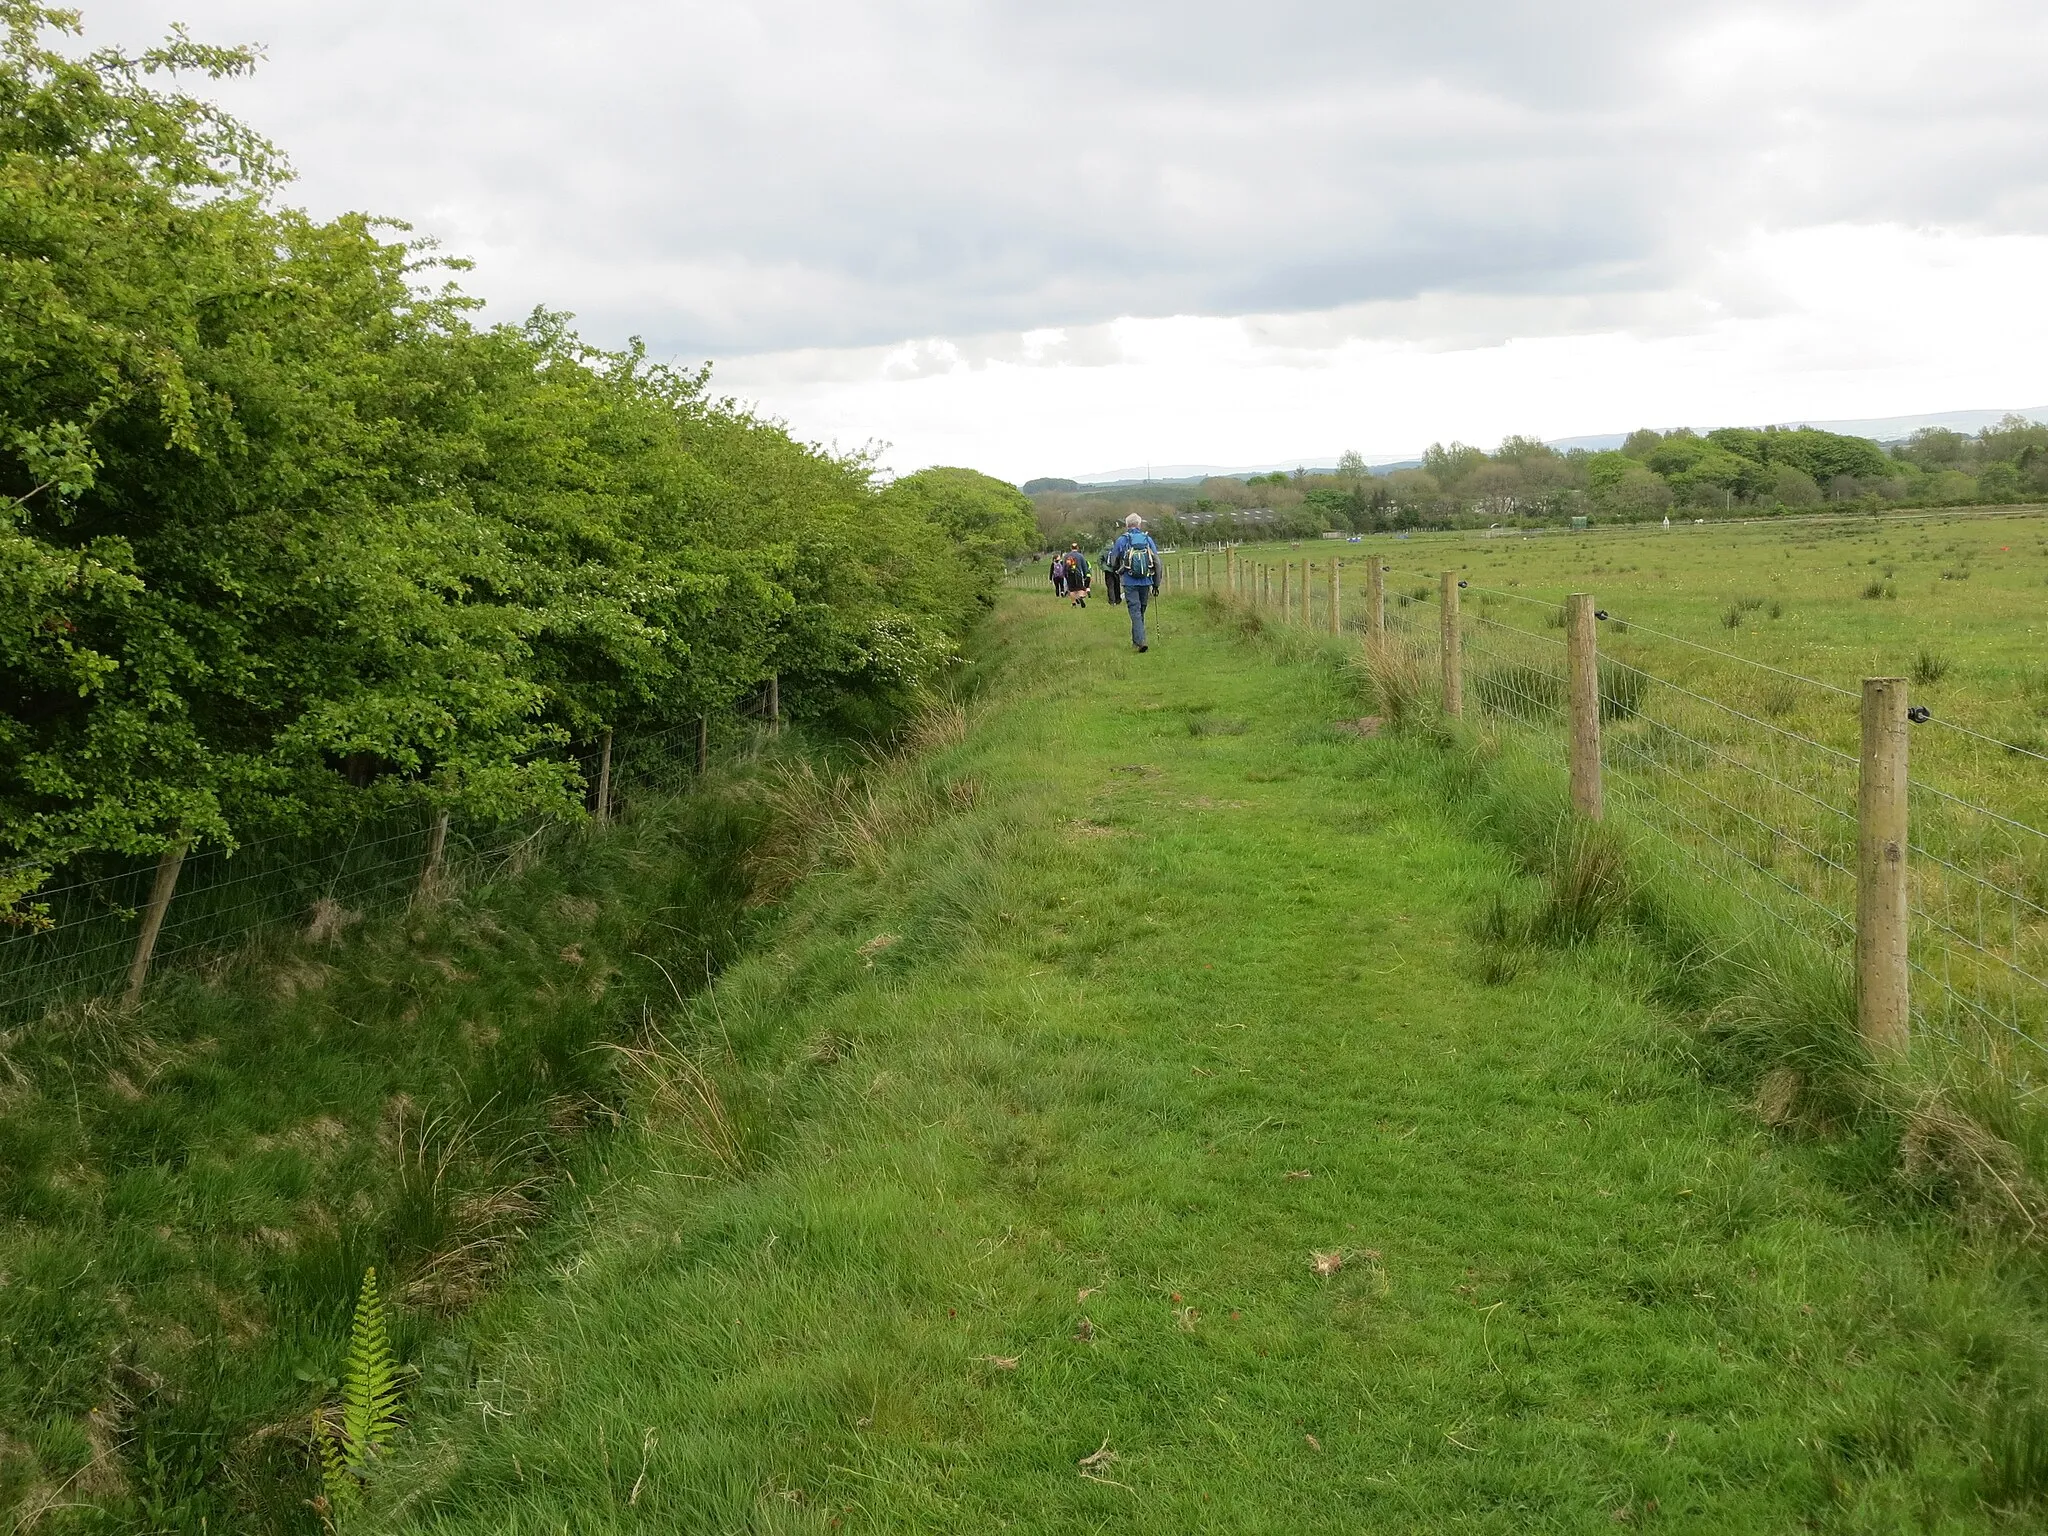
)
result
[(1120, 550)]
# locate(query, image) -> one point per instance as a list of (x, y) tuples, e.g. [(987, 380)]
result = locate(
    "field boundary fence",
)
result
[(108, 924), (1875, 830)]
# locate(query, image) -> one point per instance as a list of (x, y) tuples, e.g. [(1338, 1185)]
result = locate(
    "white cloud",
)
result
[(1834, 322), (934, 220)]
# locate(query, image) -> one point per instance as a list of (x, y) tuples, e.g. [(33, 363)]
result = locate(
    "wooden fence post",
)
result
[(703, 744), (1286, 571), (604, 779), (1447, 630), (1336, 598), (1582, 666), (168, 863), (1307, 584), (437, 850), (1883, 996), (1376, 598)]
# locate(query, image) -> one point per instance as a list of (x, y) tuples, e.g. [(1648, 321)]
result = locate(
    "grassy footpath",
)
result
[(1033, 1124)]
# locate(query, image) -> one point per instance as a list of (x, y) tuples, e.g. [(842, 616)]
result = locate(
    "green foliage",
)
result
[(1733, 470), (286, 540), (369, 1404)]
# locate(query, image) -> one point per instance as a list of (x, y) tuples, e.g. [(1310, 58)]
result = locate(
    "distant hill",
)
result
[(1884, 429)]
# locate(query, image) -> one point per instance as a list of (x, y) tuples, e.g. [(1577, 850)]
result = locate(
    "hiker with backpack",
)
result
[(1078, 577), (1112, 578), (1059, 575), (1136, 559)]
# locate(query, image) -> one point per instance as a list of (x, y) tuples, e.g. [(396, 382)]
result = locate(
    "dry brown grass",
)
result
[(1946, 1147), (942, 723), (484, 1201), (680, 1102), (329, 922)]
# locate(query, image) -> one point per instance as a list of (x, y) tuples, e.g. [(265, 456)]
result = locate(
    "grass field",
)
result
[(1135, 1131), (1834, 599), (1742, 646)]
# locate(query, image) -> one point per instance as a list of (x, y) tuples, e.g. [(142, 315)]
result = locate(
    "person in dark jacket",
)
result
[(1112, 578), (1079, 577), (1059, 575)]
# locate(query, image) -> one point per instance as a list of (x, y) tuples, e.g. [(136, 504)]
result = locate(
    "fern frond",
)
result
[(369, 1388), (336, 1480)]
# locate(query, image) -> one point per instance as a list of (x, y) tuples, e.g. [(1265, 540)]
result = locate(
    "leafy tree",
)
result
[(1794, 487), (1448, 466), (988, 520), (286, 540)]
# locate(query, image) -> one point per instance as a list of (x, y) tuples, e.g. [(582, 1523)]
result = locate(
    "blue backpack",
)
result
[(1139, 559)]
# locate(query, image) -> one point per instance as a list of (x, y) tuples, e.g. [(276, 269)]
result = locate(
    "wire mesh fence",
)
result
[(1750, 774), (86, 943)]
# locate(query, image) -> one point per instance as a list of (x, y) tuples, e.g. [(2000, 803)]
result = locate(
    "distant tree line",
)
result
[(1742, 471), (287, 537)]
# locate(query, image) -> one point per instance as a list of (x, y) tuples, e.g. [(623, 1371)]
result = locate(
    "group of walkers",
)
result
[(1130, 569)]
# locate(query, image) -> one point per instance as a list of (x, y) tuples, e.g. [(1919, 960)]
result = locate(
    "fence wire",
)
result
[(287, 881), (1749, 772)]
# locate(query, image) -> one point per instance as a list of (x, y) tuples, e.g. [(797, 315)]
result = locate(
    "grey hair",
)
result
[(1134, 521)]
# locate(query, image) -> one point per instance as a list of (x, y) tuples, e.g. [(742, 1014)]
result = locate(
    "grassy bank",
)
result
[(189, 1194), (1136, 1129)]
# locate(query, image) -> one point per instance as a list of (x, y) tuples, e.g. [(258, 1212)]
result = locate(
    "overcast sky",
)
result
[(1066, 235)]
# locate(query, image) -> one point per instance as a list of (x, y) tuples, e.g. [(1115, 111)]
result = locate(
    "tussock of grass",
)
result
[(1393, 676)]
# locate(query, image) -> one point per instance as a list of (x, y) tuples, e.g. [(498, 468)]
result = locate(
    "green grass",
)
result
[(1969, 590), (1720, 633), (989, 1193), (190, 1194)]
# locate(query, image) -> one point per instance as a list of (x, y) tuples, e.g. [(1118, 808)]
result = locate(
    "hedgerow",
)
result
[(289, 537)]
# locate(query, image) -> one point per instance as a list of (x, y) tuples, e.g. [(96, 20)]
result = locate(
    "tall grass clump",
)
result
[(1519, 691), (1226, 612), (1622, 688), (1930, 667), (1391, 670), (817, 815)]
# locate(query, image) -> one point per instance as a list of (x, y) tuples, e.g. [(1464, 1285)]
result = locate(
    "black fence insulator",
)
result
[(1919, 714)]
